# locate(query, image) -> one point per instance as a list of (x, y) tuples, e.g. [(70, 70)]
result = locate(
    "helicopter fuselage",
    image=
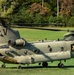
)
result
[(37, 52), (15, 50)]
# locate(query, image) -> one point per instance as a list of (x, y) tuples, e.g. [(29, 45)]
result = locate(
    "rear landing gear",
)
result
[(3, 66), (19, 67), (44, 64), (60, 65)]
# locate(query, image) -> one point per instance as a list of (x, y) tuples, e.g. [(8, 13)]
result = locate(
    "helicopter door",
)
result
[(72, 47), (72, 50)]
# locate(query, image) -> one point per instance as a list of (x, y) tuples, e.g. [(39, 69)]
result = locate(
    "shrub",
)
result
[(71, 21)]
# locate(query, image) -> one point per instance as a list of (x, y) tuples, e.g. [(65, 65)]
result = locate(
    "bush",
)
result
[(71, 22), (52, 19)]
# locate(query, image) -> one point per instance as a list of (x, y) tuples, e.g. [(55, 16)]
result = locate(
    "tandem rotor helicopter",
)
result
[(16, 50)]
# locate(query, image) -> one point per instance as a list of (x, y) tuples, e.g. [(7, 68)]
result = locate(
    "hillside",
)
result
[(33, 11)]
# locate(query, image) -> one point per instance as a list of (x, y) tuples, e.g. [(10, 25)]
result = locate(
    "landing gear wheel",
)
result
[(39, 64), (60, 65), (19, 67), (3, 66), (44, 64)]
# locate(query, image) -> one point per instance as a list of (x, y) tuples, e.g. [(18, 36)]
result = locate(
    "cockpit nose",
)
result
[(69, 36)]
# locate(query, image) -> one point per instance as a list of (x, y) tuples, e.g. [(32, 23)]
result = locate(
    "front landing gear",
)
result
[(3, 66), (60, 65)]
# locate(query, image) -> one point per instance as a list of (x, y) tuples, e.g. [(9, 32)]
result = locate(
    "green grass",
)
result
[(38, 71), (62, 28), (51, 70), (34, 35)]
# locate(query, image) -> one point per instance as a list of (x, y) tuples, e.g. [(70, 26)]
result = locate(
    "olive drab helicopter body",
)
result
[(16, 50)]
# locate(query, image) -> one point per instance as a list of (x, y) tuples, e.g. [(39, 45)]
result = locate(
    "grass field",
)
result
[(34, 35)]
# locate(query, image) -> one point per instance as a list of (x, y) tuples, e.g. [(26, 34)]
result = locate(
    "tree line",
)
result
[(33, 13)]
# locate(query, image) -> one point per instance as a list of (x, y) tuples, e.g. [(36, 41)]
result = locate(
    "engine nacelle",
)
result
[(18, 42)]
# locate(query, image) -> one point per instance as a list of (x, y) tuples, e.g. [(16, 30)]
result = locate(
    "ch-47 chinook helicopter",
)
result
[(14, 49)]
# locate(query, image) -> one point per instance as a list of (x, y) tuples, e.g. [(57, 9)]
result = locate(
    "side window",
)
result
[(62, 48), (72, 47), (50, 49)]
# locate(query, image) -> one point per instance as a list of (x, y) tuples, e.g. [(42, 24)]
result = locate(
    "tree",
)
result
[(31, 11), (7, 7)]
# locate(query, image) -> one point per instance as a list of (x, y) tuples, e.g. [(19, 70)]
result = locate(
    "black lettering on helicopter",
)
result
[(1, 34), (5, 31)]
